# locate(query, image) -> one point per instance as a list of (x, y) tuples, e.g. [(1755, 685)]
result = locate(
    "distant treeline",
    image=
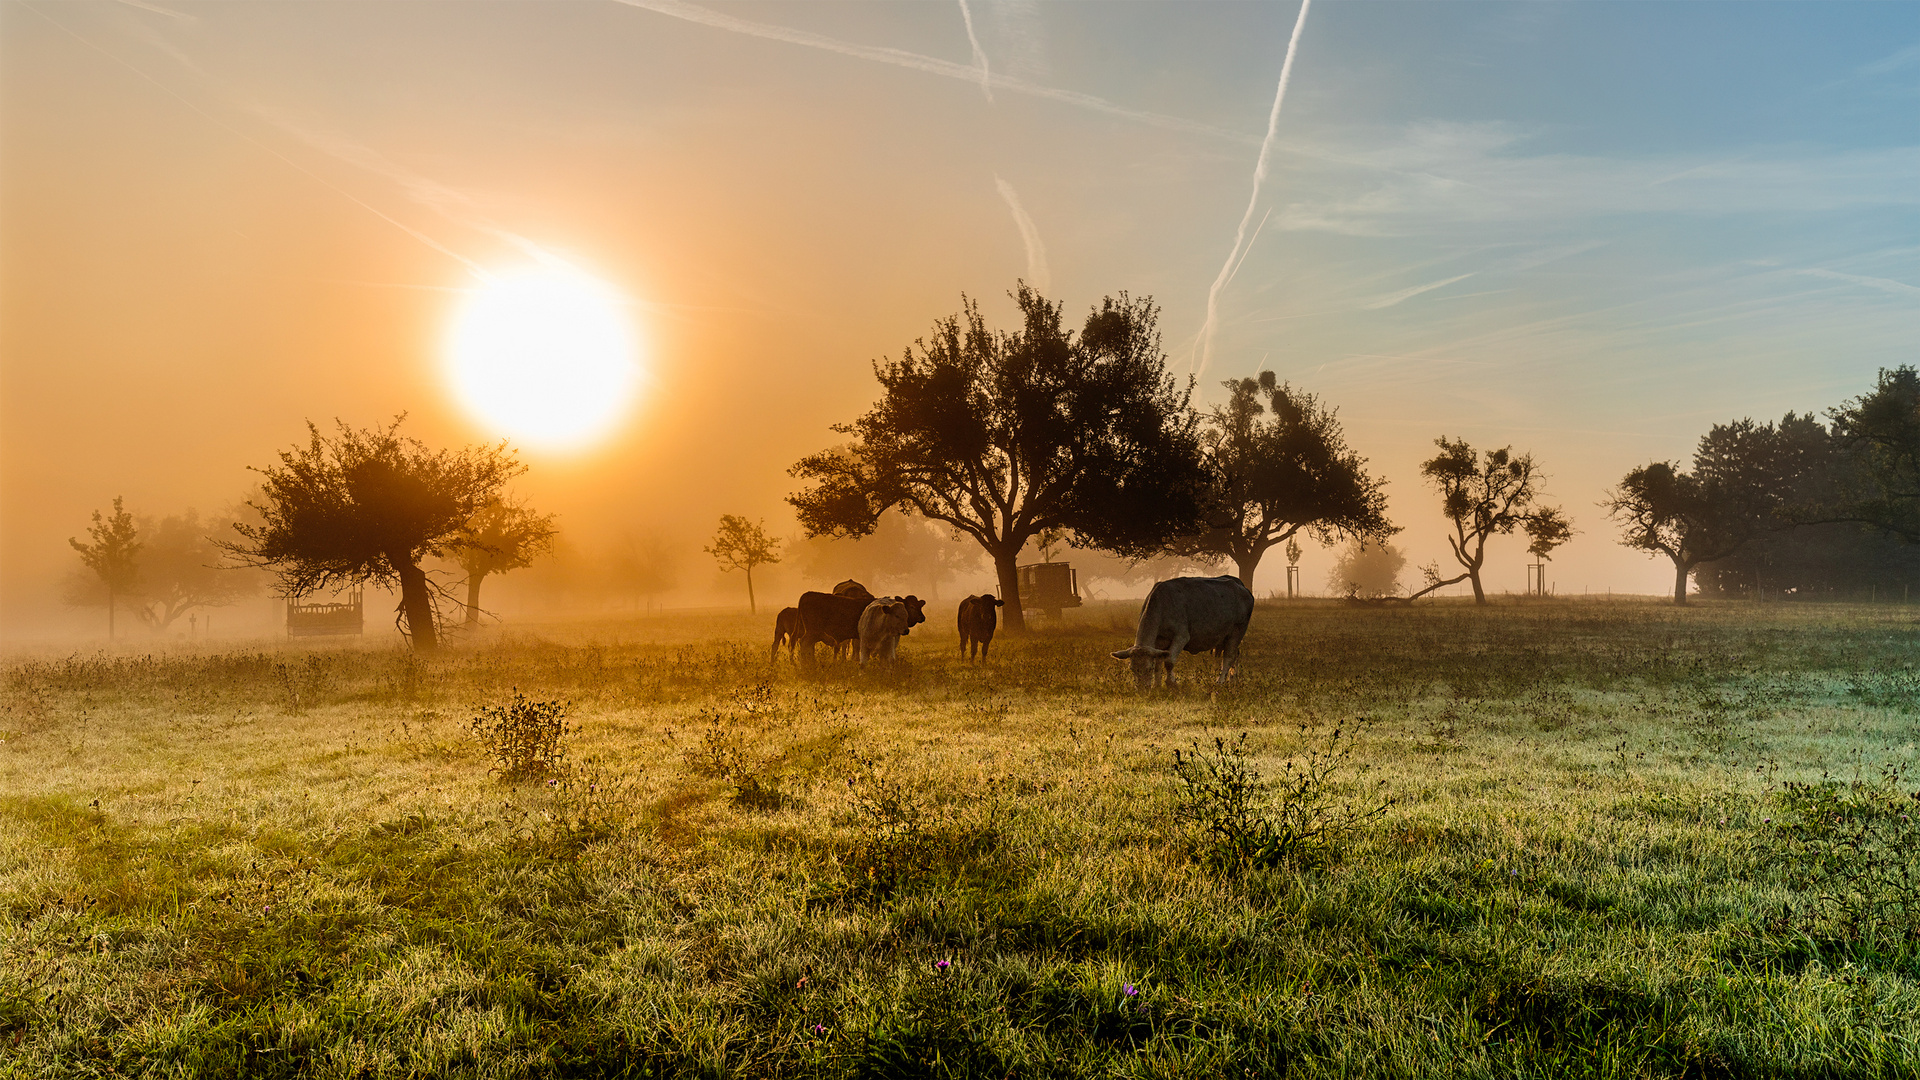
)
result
[(1804, 508)]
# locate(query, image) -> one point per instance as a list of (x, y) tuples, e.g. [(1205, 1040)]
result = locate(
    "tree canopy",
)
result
[(1882, 429), (1281, 465), (1484, 496), (367, 506), (1743, 479), (1002, 435)]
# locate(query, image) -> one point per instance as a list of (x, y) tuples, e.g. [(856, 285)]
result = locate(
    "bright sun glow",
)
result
[(545, 355)]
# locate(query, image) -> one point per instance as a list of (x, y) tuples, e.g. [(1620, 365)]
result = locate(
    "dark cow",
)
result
[(854, 589), (836, 619), (978, 618), (786, 631), (1189, 614)]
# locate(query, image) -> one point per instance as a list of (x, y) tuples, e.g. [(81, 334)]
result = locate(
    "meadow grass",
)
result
[(1570, 839)]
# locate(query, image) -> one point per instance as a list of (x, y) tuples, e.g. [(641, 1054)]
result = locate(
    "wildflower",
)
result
[(818, 1029), (801, 983), (942, 965), (1130, 990)]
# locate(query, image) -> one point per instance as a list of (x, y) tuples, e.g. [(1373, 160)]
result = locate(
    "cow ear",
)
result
[(997, 602), (1124, 654), (1157, 654)]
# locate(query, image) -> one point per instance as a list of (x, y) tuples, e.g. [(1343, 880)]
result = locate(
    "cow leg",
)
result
[(1230, 654), (984, 646), (1173, 653)]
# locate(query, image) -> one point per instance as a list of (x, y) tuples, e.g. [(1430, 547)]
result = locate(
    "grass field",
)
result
[(1545, 839)]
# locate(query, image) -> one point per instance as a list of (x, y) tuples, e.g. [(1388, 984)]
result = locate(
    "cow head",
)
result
[(1146, 661), (992, 599), (916, 610)]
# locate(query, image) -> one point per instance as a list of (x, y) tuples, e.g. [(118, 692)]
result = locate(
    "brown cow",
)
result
[(786, 631), (826, 617), (854, 589), (977, 621)]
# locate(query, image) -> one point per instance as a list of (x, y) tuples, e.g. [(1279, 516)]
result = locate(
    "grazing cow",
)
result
[(826, 617), (977, 620), (1189, 614), (786, 630), (881, 626)]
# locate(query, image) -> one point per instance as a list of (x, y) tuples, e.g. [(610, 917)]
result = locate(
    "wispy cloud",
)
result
[(929, 64), (1391, 299), (979, 54), (1887, 65), (148, 5), (1204, 341), (1037, 274), (1885, 285)]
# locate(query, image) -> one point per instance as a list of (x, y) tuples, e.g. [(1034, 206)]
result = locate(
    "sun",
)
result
[(544, 355)]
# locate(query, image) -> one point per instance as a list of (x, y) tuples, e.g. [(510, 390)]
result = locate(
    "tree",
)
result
[(1276, 477), (1882, 430), (111, 556), (1730, 498), (368, 506), (742, 545), (1367, 569), (1487, 497), (183, 569), (504, 535), (1005, 435), (644, 566)]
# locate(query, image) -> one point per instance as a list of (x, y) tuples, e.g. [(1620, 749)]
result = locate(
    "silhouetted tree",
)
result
[(368, 506), (504, 535), (1882, 429), (1277, 476), (742, 545), (111, 555), (1485, 497), (1367, 569), (1743, 476), (1005, 435)]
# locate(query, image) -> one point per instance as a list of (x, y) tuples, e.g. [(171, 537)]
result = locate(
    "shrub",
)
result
[(525, 738), (1245, 821)]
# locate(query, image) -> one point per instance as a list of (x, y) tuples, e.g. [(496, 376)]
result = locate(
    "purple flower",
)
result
[(1130, 990), (942, 965), (818, 1029)]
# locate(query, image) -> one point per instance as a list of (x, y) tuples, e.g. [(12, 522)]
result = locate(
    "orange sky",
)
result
[(219, 221)]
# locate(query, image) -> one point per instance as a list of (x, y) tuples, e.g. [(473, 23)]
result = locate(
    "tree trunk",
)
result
[(752, 608), (1247, 566), (473, 600), (1680, 582), (1479, 594), (417, 604), (1006, 567)]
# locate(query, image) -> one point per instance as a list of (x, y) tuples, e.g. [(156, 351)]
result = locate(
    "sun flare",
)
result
[(545, 355)]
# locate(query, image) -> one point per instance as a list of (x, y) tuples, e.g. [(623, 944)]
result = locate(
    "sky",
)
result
[(1585, 230)]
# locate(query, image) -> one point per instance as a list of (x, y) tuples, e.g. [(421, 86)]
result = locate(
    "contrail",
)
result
[(1037, 274), (1204, 341), (929, 64), (979, 54), (1885, 285), (1391, 299)]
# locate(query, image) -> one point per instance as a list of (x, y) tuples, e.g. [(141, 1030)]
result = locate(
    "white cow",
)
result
[(1189, 614), (881, 625)]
